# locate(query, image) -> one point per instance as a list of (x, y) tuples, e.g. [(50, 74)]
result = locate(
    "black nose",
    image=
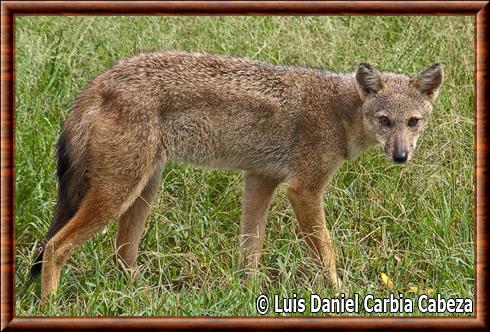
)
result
[(400, 157)]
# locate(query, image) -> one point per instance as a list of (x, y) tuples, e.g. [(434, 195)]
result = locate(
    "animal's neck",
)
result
[(349, 110)]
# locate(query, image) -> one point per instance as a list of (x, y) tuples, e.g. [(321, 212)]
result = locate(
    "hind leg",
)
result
[(120, 160), (132, 223), (91, 217), (96, 210)]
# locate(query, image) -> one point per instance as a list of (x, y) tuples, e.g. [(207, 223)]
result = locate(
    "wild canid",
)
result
[(277, 123)]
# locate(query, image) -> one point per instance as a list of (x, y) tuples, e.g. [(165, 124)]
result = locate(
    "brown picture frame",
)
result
[(11, 9)]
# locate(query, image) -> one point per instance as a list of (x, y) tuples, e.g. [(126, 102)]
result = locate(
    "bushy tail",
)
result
[(72, 186)]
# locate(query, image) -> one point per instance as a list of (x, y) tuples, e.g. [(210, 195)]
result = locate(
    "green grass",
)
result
[(413, 222)]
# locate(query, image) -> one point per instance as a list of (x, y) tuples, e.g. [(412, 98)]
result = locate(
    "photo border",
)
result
[(11, 9)]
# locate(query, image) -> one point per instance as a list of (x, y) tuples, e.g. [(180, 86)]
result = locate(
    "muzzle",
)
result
[(400, 156)]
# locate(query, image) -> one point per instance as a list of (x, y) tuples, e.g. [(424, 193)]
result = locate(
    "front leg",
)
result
[(257, 194), (307, 205)]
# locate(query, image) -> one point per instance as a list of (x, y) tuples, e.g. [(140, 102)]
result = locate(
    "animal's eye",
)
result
[(413, 122), (384, 121)]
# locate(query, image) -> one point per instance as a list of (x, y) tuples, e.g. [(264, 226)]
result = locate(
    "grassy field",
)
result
[(413, 222)]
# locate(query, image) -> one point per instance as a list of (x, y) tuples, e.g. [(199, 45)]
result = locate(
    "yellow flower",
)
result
[(387, 281), (413, 289)]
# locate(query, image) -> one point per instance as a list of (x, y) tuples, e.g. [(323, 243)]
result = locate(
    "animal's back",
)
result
[(213, 110)]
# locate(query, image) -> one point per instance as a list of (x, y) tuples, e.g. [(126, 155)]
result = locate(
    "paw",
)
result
[(339, 287), (46, 298)]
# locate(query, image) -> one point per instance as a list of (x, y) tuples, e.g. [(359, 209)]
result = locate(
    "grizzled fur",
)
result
[(278, 124)]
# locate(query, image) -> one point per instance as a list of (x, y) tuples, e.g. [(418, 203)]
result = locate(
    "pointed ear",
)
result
[(429, 81), (369, 80)]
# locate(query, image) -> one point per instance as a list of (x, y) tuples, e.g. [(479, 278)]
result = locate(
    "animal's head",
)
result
[(396, 108)]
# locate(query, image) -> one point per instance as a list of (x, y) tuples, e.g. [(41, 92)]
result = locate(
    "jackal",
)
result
[(276, 123)]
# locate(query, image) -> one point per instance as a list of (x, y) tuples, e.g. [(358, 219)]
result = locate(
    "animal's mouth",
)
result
[(387, 152)]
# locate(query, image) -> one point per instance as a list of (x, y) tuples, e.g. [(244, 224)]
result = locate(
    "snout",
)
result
[(397, 156), (400, 156)]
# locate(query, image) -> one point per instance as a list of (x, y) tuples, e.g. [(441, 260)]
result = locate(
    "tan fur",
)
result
[(132, 223), (257, 195), (278, 124)]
